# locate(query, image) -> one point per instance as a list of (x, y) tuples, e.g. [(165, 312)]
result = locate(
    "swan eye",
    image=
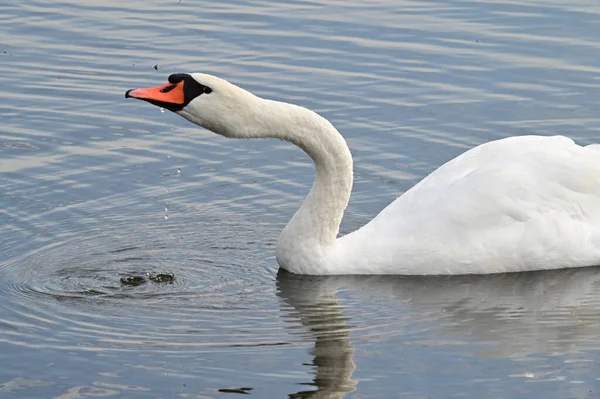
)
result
[(192, 88)]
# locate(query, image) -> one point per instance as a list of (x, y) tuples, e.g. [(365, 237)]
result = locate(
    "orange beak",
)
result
[(169, 95)]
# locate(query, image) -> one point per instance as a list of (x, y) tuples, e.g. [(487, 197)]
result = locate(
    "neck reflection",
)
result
[(314, 304)]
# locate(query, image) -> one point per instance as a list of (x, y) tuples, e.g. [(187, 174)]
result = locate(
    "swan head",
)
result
[(206, 100)]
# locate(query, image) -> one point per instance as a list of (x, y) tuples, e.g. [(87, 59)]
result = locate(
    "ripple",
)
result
[(20, 145), (75, 287)]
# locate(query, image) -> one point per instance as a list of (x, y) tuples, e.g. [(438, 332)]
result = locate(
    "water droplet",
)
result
[(162, 110)]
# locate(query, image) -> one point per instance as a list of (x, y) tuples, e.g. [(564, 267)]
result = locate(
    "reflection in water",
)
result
[(320, 312), (502, 316)]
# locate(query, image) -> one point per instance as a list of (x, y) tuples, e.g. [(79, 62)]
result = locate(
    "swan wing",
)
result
[(516, 204)]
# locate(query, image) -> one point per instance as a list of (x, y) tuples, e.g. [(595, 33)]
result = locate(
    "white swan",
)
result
[(516, 204)]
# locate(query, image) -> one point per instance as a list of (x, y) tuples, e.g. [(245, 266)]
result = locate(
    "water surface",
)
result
[(94, 188)]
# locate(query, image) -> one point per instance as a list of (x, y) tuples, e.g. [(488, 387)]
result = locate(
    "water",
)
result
[(94, 188)]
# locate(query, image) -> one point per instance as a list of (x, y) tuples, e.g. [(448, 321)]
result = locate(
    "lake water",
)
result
[(94, 188)]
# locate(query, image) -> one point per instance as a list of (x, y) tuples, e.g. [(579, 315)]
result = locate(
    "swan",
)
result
[(511, 205)]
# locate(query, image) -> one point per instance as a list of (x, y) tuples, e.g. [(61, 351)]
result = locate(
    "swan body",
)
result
[(516, 204)]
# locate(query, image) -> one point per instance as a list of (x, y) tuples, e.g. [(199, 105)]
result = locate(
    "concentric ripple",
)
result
[(74, 293)]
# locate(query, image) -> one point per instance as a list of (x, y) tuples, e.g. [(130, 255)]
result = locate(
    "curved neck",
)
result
[(311, 234)]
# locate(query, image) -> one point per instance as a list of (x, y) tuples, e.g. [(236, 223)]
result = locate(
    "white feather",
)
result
[(517, 204)]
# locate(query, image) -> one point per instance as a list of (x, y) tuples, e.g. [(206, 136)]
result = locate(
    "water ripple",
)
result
[(71, 295)]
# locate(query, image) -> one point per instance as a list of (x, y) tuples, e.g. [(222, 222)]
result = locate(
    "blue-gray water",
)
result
[(85, 178)]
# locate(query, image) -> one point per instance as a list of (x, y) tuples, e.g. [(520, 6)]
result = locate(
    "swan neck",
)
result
[(310, 236)]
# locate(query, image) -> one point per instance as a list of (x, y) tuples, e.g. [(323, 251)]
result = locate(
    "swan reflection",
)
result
[(314, 303), (502, 316)]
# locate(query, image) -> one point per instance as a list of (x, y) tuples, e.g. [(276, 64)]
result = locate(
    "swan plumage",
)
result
[(515, 204)]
